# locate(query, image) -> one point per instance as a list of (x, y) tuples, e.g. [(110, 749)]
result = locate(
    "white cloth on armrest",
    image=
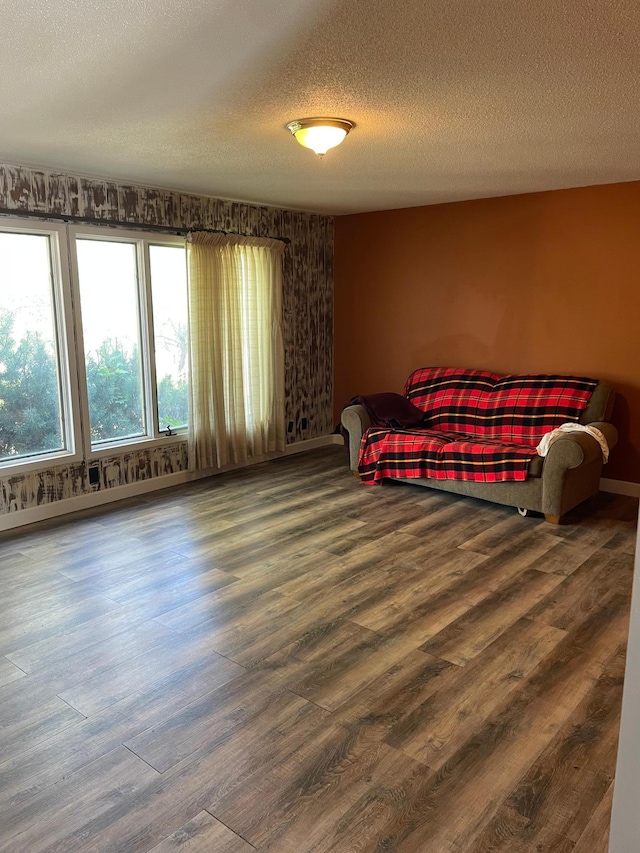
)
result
[(560, 432)]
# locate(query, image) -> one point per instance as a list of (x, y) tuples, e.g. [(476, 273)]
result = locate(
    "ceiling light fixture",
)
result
[(320, 134)]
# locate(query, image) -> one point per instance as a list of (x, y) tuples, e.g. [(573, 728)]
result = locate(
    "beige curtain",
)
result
[(236, 351)]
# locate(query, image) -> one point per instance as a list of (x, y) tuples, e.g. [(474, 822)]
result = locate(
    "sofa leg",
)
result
[(552, 519)]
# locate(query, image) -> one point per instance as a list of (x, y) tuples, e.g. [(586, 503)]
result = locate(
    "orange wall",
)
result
[(546, 282)]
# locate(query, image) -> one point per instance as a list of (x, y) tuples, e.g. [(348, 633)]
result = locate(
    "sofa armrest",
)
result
[(356, 421), (577, 448), (572, 469), (572, 450), (608, 430)]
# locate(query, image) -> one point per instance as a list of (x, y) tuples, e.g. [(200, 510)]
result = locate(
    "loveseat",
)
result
[(475, 433)]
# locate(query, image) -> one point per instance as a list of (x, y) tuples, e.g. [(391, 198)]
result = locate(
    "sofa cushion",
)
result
[(512, 410), (417, 453)]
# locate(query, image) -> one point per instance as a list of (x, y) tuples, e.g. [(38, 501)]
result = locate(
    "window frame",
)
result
[(67, 313), (142, 240), (64, 330), (168, 241)]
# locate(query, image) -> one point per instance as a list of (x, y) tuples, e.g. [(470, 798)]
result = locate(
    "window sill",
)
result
[(24, 466), (131, 445)]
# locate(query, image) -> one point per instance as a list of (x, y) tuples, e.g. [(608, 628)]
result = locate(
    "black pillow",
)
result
[(392, 410)]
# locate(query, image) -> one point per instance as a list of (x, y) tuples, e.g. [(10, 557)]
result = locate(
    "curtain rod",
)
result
[(88, 220)]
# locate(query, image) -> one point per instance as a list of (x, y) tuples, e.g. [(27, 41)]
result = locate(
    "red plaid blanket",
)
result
[(481, 427)]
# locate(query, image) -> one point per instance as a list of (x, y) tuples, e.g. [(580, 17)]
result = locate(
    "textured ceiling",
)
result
[(452, 99)]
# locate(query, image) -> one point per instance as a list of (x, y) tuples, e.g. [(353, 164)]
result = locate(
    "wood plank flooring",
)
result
[(281, 659)]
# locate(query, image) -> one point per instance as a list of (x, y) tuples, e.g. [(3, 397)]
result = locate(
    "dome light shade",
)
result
[(320, 134)]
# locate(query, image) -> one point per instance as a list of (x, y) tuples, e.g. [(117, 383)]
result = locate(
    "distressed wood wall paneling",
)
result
[(153, 207), (265, 223), (291, 355), (4, 187), (111, 209), (191, 211), (17, 186), (93, 195), (99, 199), (307, 306), (171, 209), (304, 340), (223, 215), (327, 295), (57, 194), (67, 481), (317, 400), (73, 196), (39, 187), (250, 217), (128, 207), (208, 212)]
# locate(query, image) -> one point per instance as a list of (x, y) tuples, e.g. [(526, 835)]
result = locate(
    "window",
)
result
[(108, 279), (133, 306), (171, 328), (36, 404), (127, 320)]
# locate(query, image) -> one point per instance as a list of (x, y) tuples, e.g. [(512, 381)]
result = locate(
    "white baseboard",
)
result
[(11, 520), (620, 487), (311, 443)]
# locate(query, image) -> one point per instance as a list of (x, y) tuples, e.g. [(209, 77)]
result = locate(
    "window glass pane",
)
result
[(169, 296), (30, 396), (108, 278)]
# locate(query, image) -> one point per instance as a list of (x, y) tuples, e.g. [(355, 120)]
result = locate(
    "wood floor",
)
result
[(285, 660)]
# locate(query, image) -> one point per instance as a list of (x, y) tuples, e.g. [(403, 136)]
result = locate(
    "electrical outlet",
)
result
[(94, 475), (304, 424), (290, 426)]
